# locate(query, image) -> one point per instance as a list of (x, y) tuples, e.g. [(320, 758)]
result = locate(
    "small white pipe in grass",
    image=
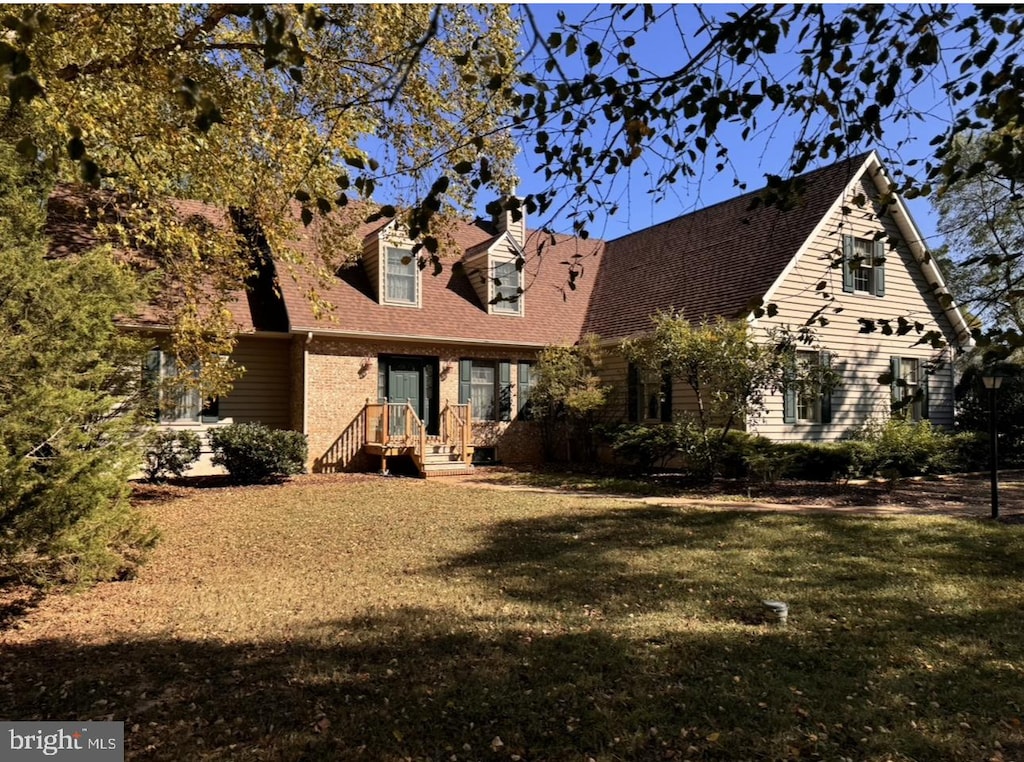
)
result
[(779, 608)]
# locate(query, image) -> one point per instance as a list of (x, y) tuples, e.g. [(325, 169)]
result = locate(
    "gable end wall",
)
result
[(859, 357)]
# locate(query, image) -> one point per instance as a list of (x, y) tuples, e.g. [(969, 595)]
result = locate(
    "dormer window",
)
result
[(401, 277), (508, 288)]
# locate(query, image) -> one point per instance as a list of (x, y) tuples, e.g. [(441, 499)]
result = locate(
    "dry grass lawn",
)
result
[(387, 619)]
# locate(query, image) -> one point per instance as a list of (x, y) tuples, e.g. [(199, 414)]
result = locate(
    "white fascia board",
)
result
[(911, 235)]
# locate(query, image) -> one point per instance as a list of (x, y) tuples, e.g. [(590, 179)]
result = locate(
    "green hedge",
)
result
[(252, 452), (169, 452), (894, 448)]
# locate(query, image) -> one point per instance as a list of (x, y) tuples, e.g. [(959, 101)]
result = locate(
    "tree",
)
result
[(728, 374), (69, 400), (262, 108), (981, 215), (272, 101), (568, 394)]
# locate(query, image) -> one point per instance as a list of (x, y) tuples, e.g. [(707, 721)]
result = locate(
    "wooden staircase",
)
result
[(393, 428)]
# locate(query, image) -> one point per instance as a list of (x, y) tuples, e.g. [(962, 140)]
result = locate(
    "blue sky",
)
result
[(765, 152)]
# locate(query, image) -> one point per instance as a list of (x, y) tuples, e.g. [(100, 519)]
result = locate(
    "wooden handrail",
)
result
[(456, 422)]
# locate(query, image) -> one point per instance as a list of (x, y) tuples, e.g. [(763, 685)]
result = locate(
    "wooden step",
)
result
[(454, 468)]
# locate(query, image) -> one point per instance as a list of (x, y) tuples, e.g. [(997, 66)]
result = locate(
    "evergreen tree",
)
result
[(69, 399)]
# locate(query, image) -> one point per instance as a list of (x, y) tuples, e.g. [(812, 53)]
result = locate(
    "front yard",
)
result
[(386, 619)]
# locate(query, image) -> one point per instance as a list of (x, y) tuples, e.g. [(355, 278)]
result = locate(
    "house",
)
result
[(836, 259), (439, 366)]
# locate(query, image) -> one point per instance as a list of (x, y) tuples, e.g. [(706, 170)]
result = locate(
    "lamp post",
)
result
[(993, 379)]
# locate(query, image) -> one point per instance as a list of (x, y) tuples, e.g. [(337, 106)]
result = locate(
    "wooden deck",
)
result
[(393, 428)]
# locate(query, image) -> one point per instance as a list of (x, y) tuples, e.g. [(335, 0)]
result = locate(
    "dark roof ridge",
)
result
[(857, 158)]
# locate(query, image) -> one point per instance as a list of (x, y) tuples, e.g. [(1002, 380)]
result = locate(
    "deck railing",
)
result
[(457, 429), (395, 424)]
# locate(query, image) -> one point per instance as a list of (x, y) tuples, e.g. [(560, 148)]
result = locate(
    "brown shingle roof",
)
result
[(451, 309), (71, 228), (711, 262)]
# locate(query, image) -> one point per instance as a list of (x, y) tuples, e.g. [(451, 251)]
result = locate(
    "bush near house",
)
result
[(253, 453), (896, 447), (169, 452)]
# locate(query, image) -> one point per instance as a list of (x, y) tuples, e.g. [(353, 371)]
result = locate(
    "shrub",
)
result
[(646, 446), (906, 448), (970, 451), (252, 452), (741, 453), (829, 461), (169, 452)]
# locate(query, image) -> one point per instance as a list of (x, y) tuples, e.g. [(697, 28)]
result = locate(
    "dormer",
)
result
[(392, 268), (495, 268)]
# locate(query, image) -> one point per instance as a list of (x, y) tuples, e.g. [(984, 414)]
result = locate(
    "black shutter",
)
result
[(848, 264), (666, 397), (879, 267), (504, 390), (465, 381), (924, 376), (151, 380), (632, 393)]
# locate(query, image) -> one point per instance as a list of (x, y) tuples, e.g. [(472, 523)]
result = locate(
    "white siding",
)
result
[(859, 357)]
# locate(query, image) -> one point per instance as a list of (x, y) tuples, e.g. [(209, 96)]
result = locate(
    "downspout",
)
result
[(305, 383)]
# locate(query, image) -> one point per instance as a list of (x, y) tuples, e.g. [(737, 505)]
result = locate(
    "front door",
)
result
[(412, 380)]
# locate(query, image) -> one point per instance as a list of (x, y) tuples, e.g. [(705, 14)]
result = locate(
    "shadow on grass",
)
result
[(869, 668), (647, 557), (392, 687)]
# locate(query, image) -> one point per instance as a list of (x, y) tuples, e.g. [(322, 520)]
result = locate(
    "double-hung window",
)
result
[(863, 265), (176, 400), (909, 388), (508, 282), (525, 381), (487, 385), (649, 395), (401, 277), (807, 396)]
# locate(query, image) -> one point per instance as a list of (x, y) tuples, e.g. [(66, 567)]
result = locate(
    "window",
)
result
[(649, 395), (863, 265), (174, 403), (524, 386), (401, 277), (808, 396), (508, 279), (483, 393), (805, 400), (909, 388), (487, 385)]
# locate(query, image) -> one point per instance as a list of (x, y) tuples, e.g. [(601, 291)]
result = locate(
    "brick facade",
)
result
[(341, 376)]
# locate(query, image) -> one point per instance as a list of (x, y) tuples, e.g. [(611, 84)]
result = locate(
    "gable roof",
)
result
[(451, 311), (710, 262), (71, 226)]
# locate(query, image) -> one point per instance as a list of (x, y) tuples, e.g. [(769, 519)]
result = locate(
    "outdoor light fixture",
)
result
[(992, 378)]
